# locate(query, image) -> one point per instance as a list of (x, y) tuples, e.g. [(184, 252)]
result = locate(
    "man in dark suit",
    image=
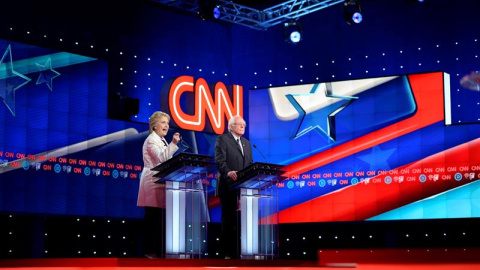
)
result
[(232, 153)]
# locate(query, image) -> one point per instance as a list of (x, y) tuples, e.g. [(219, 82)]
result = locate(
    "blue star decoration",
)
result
[(10, 80), (377, 158), (322, 120), (47, 74)]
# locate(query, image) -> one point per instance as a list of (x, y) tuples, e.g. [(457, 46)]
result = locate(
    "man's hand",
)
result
[(233, 175)]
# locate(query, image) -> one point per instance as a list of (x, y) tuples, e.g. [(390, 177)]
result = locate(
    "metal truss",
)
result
[(254, 18)]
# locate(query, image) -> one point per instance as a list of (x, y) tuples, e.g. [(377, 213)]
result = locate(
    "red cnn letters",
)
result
[(215, 109)]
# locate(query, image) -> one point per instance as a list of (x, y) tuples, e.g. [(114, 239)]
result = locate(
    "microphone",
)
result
[(185, 144), (254, 145)]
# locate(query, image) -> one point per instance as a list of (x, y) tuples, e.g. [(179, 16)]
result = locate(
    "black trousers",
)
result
[(230, 238), (154, 235)]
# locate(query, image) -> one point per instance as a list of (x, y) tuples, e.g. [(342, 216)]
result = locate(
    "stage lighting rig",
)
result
[(352, 12), (208, 10), (292, 32)]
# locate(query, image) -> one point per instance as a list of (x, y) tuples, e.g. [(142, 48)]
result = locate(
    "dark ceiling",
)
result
[(260, 14)]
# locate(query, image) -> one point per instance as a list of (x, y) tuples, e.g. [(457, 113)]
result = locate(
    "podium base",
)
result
[(258, 257), (184, 256)]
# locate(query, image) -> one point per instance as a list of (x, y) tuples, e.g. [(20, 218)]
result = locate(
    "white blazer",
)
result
[(154, 153)]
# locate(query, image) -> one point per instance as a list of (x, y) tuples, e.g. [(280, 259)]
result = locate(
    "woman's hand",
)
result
[(176, 138)]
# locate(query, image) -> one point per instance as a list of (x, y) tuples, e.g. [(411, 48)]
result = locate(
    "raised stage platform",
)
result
[(362, 259)]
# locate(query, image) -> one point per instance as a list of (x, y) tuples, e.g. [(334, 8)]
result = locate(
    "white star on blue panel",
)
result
[(10, 80), (321, 120)]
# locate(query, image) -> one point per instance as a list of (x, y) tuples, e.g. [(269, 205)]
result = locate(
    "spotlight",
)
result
[(216, 12), (352, 12), (292, 32)]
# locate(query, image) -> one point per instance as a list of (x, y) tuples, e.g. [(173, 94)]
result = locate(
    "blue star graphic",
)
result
[(10, 80), (377, 159), (47, 74), (322, 120)]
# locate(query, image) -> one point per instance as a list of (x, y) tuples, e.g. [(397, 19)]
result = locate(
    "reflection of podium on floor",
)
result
[(187, 213), (257, 185)]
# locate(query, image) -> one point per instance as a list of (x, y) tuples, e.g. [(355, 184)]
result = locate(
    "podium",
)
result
[(186, 210), (258, 210)]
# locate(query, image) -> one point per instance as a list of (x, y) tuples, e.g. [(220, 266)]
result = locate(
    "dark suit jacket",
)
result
[(228, 157)]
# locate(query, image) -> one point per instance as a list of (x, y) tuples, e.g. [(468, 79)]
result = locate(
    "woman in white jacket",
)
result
[(151, 195)]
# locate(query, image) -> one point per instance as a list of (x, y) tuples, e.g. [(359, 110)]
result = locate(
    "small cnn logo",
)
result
[(190, 102)]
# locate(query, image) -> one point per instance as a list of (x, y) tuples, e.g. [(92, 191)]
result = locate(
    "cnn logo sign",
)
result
[(191, 103)]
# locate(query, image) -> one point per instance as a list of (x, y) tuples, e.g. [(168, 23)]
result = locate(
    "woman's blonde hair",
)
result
[(155, 117)]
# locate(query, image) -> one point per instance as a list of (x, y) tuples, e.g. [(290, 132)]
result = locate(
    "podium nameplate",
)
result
[(184, 167), (258, 175)]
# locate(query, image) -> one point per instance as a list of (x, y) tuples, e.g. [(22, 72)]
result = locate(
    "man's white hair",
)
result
[(232, 121)]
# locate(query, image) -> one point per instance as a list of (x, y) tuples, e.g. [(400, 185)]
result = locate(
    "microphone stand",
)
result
[(254, 145)]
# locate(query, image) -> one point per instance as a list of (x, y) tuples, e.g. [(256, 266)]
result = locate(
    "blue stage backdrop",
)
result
[(59, 154), (373, 121)]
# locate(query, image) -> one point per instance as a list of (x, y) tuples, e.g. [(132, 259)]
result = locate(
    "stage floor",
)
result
[(167, 264), (362, 259)]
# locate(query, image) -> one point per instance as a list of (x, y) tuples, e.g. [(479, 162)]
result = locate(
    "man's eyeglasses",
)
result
[(240, 124)]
